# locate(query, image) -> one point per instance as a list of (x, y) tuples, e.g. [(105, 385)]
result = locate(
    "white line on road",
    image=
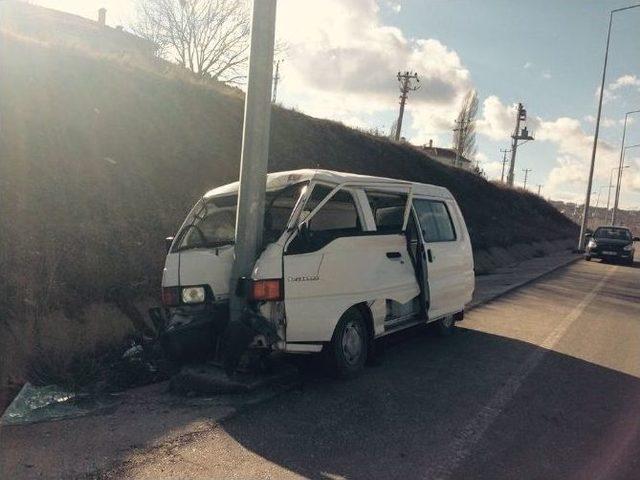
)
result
[(464, 442)]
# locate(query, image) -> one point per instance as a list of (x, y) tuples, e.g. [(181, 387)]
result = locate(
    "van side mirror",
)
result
[(588, 235), (167, 243), (636, 239)]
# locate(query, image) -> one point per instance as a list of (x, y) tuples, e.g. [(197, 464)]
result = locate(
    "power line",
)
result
[(406, 86)]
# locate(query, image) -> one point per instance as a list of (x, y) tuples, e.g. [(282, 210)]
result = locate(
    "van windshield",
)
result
[(212, 222)]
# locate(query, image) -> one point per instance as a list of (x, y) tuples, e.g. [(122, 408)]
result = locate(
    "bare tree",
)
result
[(209, 37), (464, 134)]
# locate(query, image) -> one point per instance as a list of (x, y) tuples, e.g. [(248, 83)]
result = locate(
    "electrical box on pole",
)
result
[(518, 134)]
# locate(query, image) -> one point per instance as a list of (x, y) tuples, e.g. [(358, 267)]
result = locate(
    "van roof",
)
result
[(279, 180)]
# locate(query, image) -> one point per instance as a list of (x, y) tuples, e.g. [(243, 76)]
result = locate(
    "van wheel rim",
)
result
[(352, 343)]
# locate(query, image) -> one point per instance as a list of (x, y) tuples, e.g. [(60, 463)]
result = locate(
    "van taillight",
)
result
[(170, 296), (266, 290)]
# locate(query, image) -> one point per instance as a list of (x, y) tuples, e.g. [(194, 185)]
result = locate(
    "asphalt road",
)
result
[(541, 383)]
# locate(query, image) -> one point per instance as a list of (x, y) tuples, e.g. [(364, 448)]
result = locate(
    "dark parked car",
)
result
[(611, 243)]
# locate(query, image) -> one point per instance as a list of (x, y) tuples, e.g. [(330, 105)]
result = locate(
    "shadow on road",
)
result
[(569, 418)]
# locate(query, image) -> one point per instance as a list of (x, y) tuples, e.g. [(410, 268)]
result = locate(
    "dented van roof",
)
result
[(279, 180)]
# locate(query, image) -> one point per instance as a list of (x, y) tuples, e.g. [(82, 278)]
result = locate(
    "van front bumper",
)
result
[(192, 329)]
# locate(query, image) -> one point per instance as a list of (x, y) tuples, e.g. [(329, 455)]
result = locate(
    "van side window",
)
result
[(435, 221), (338, 217), (388, 210), (339, 213)]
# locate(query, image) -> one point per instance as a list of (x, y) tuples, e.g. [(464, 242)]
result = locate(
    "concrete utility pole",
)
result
[(255, 150), (526, 174), (406, 86), (504, 162), (622, 149), (517, 135), (539, 188), (585, 214), (276, 79), (460, 126)]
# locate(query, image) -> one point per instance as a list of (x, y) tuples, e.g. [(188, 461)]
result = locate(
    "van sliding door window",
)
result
[(435, 221), (388, 210), (338, 217)]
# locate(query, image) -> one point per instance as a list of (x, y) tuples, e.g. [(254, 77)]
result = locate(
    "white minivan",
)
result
[(346, 259)]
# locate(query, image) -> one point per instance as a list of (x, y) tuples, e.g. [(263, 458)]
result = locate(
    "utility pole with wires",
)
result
[(526, 174), (276, 79), (406, 80), (539, 188), (504, 162), (517, 135)]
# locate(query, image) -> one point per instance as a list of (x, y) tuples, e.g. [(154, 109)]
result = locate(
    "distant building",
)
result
[(446, 156), (63, 28)]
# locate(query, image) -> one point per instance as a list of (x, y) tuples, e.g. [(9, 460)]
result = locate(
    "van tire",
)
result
[(588, 258), (346, 355), (446, 326)]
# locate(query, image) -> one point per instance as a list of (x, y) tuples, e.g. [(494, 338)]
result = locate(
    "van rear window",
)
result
[(435, 221)]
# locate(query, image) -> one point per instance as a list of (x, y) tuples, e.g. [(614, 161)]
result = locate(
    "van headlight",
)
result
[(628, 248), (193, 295), (592, 244)]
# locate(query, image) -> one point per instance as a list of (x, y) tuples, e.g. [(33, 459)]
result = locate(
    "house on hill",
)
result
[(446, 156), (56, 27)]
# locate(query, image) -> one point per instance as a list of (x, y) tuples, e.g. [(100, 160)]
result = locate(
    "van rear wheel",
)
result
[(347, 352), (446, 326)]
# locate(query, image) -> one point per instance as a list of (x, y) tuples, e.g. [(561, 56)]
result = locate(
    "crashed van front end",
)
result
[(194, 317)]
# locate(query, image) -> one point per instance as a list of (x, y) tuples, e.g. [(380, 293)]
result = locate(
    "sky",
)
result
[(342, 58)]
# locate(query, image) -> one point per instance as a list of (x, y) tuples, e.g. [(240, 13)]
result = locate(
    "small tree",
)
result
[(393, 129), (209, 37), (464, 134)]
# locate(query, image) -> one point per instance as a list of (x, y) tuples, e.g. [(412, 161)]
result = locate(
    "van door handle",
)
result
[(429, 256), (394, 255)]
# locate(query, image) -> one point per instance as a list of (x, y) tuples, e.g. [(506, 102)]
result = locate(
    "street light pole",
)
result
[(255, 151), (611, 185), (615, 205), (617, 197), (585, 213)]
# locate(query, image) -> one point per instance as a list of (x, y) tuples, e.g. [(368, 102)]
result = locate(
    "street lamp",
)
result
[(585, 214), (615, 205), (617, 198), (611, 184)]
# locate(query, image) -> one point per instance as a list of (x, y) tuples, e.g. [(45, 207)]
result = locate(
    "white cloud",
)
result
[(624, 81), (546, 75), (496, 120), (567, 179), (527, 65), (342, 62), (394, 5)]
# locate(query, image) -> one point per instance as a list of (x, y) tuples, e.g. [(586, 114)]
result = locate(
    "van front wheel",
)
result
[(347, 352)]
